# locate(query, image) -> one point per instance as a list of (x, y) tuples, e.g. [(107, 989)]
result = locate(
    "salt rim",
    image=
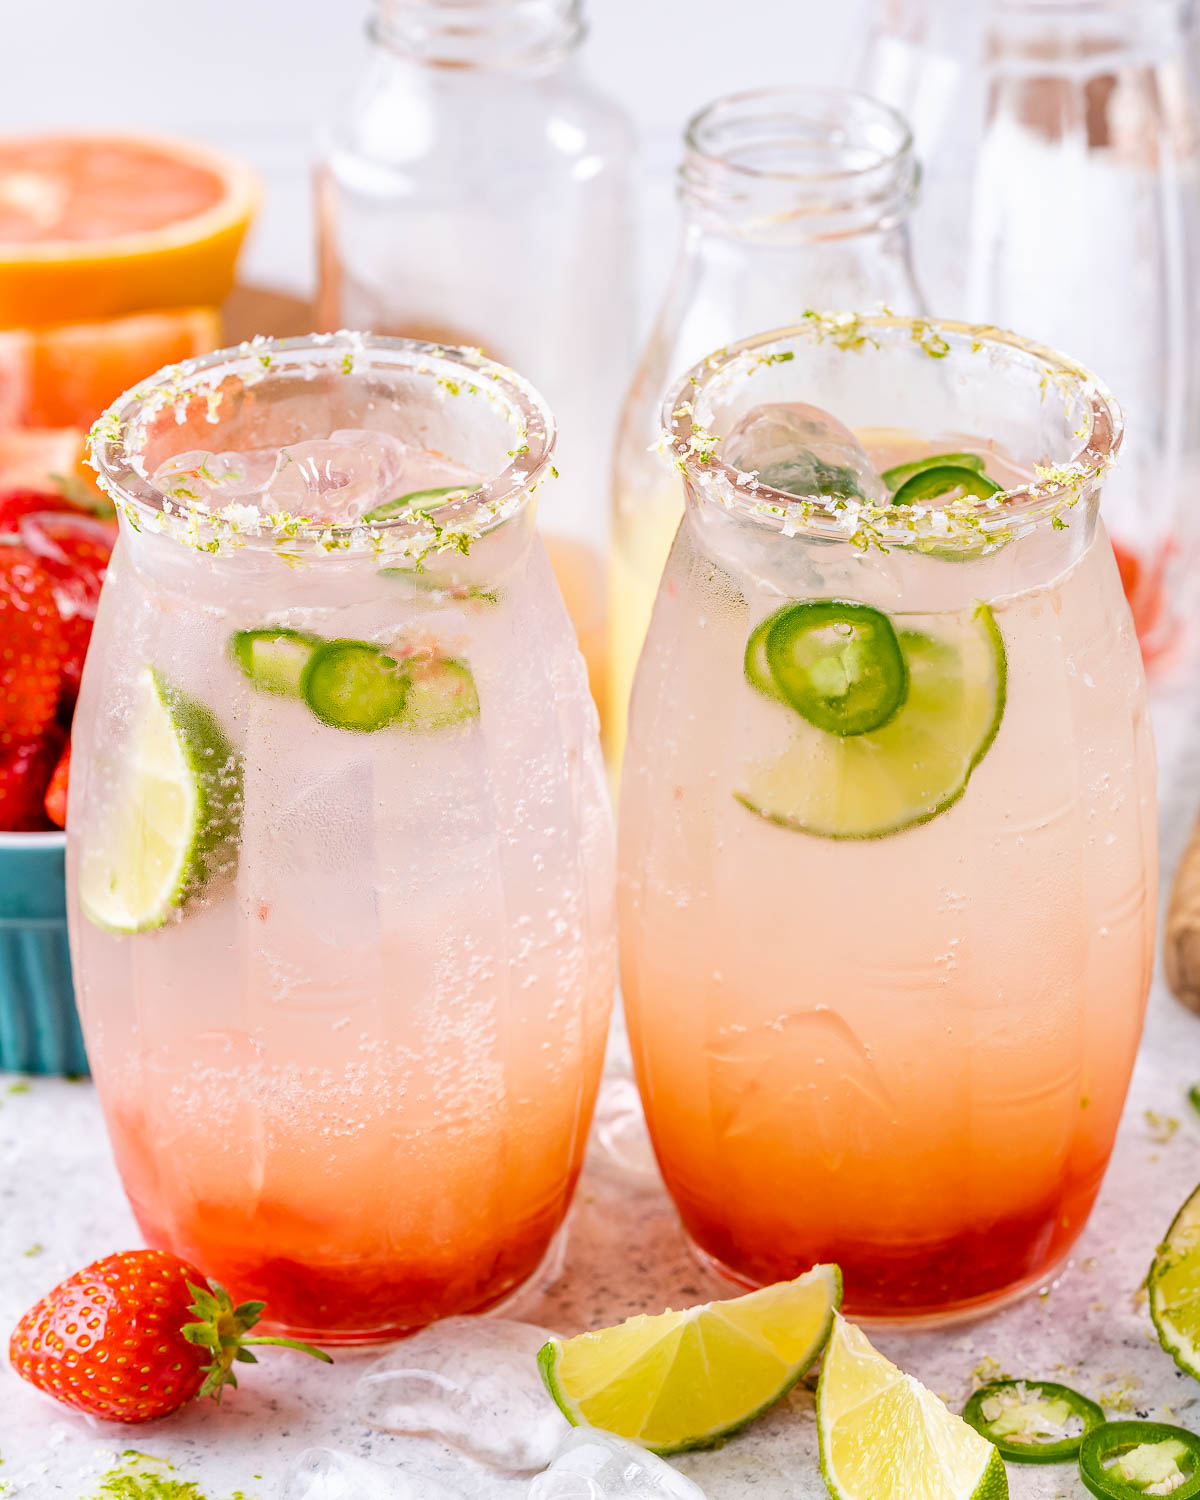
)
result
[(116, 454), (966, 524)]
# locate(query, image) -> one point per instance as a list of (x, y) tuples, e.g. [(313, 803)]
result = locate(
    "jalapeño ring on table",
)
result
[(1153, 1446), (1020, 1409)]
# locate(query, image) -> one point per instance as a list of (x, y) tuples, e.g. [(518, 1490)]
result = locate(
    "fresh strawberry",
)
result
[(16, 503), (26, 767), (117, 1339), (31, 643), (74, 550), (55, 801)]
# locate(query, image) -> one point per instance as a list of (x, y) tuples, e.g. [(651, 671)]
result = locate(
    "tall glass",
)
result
[(347, 1023), (887, 872), (476, 188), (792, 198)]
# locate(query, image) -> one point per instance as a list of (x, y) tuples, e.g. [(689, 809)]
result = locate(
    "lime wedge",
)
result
[(883, 1436), (688, 1379), (913, 767), (173, 824), (1174, 1287)]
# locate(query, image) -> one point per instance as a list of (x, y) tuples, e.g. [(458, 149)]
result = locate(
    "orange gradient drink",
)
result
[(887, 821), (340, 855)]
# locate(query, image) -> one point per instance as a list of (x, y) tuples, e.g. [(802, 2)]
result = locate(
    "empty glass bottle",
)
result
[(1059, 144), (792, 199), (475, 190)]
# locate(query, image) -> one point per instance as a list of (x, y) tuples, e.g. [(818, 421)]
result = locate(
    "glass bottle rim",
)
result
[(962, 524), (803, 102), (115, 453)]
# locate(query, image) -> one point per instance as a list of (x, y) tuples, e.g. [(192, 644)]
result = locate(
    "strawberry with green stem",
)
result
[(135, 1336)]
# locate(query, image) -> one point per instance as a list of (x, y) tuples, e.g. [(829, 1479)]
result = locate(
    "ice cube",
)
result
[(216, 479), (473, 1384), (803, 450), (326, 1474), (594, 1465)]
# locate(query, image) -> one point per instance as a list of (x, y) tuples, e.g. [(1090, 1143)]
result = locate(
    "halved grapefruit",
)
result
[(93, 226), (65, 376)]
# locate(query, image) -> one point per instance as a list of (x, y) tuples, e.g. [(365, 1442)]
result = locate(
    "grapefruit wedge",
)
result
[(93, 226), (65, 376)]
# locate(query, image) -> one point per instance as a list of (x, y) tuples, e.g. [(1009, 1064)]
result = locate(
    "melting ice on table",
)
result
[(804, 451), (472, 1384), (326, 1474), (595, 1465)]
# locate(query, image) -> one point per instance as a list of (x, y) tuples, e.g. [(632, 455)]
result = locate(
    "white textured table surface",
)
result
[(61, 1205)]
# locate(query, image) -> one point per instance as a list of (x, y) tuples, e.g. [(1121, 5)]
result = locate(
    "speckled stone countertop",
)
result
[(61, 1205)]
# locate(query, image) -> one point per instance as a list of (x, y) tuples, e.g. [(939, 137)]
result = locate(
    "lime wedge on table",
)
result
[(1174, 1287), (172, 824), (911, 768), (883, 1436), (687, 1379)]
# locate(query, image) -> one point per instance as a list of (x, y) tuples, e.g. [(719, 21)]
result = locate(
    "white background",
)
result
[(257, 76)]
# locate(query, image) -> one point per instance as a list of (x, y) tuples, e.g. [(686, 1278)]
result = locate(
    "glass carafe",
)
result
[(1058, 143), (344, 984), (792, 198), (476, 190), (887, 870)]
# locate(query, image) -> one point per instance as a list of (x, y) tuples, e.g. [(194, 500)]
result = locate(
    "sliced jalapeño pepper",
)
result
[(1032, 1421), (894, 478), (416, 500), (1123, 1460), (837, 663), (354, 685), (934, 484)]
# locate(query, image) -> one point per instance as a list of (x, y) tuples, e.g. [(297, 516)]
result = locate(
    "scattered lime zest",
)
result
[(1032, 1421), (689, 1379)]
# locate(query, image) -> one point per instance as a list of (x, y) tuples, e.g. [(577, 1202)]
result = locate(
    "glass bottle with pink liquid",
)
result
[(887, 861), (340, 858)]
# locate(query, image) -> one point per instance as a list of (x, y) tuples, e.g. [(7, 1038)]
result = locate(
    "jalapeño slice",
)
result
[(758, 670), (354, 685), (1122, 1460), (441, 693), (933, 484), (273, 660), (1032, 1421), (894, 478), (837, 663)]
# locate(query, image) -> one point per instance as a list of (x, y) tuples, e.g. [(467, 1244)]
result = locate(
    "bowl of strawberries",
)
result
[(55, 544)]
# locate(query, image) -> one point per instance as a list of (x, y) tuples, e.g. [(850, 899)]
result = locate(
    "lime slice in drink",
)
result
[(441, 693), (273, 660), (172, 827), (894, 478), (916, 764), (883, 1436), (354, 685), (687, 1379), (1174, 1287)]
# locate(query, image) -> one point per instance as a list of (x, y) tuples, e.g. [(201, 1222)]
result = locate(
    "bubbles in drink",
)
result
[(804, 451), (340, 479)]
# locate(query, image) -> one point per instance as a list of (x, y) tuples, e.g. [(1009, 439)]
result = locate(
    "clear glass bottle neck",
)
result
[(1084, 32), (479, 34), (796, 166)]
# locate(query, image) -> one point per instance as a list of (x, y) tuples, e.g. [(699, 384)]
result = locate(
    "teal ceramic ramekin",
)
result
[(39, 1029)]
